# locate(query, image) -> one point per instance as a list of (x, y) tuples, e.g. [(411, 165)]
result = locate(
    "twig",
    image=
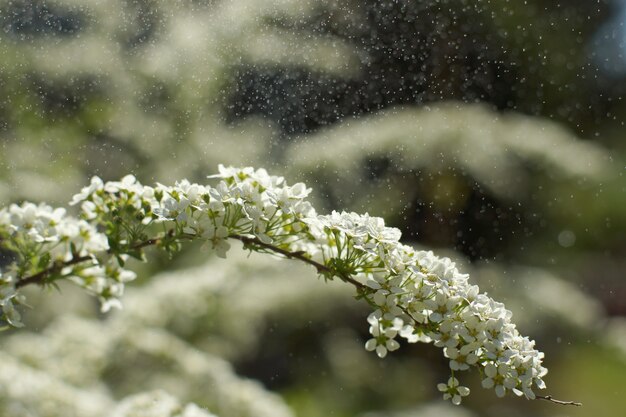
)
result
[(40, 277), (555, 401), (321, 268)]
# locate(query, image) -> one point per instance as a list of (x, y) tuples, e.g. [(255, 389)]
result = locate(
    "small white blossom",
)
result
[(453, 391), (216, 236)]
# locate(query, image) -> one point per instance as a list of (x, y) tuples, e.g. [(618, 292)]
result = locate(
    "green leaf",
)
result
[(137, 254), (73, 248), (44, 261)]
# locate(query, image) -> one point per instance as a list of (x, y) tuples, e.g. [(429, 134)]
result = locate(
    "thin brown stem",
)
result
[(321, 268), (555, 401), (40, 277)]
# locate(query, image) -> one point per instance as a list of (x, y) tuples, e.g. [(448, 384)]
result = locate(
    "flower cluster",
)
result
[(414, 294), (420, 297), (46, 241), (61, 371), (157, 404)]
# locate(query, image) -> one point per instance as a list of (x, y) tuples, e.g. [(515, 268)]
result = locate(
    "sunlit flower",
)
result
[(453, 391)]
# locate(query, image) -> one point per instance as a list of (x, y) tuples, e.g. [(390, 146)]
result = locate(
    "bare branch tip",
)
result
[(559, 402)]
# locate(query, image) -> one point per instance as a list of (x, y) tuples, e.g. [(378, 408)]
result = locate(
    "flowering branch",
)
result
[(250, 242), (414, 294)]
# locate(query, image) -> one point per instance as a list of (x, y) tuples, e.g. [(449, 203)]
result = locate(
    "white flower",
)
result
[(461, 359), (375, 227), (383, 332), (193, 192), (96, 184), (287, 198), (173, 209), (453, 391), (127, 183), (441, 306), (217, 237)]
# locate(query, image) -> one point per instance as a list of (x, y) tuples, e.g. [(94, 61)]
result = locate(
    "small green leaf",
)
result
[(137, 254), (73, 250), (44, 261)]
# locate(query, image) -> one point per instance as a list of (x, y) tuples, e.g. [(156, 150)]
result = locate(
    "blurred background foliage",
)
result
[(490, 131)]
